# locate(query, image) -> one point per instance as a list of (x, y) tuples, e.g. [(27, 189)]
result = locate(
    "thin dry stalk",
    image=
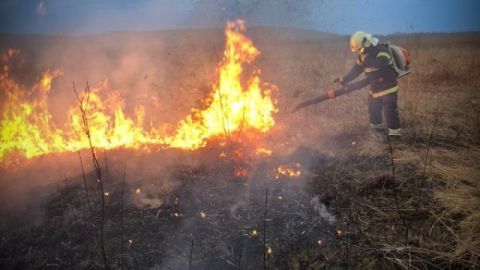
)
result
[(122, 195), (191, 254), (427, 156), (225, 120), (395, 195), (265, 231), (83, 107), (87, 196), (106, 162)]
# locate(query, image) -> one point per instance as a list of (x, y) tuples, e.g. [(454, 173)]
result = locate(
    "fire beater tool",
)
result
[(331, 94)]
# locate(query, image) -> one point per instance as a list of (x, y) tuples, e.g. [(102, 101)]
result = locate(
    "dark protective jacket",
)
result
[(377, 63)]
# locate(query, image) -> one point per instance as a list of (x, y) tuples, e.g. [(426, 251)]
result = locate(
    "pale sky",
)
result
[(78, 17)]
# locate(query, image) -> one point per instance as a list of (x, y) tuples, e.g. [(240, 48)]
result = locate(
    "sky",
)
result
[(80, 17)]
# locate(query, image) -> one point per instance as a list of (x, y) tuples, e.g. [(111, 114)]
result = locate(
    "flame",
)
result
[(28, 130), (241, 171), (288, 171), (232, 107), (263, 152)]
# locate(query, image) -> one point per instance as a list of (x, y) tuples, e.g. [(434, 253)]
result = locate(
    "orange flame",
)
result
[(28, 130), (231, 106), (263, 152), (288, 171)]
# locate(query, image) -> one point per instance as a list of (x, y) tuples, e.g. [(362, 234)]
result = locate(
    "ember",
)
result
[(288, 171), (241, 172), (263, 152)]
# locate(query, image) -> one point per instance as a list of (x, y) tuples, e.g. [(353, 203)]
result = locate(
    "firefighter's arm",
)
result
[(357, 85), (354, 72)]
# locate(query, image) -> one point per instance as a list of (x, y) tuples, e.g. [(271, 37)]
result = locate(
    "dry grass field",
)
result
[(407, 204)]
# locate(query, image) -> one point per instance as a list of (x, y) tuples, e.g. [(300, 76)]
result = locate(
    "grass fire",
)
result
[(242, 134), (28, 129)]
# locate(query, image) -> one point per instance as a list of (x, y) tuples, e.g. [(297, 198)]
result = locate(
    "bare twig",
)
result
[(106, 163), (243, 118), (191, 254), (226, 126), (419, 198), (83, 106), (395, 195), (265, 231), (122, 194), (87, 196), (347, 232)]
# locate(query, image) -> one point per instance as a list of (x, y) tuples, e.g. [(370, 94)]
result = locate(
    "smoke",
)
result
[(256, 12), (321, 210)]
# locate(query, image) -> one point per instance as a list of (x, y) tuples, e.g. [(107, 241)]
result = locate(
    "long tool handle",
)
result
[(331, 94)]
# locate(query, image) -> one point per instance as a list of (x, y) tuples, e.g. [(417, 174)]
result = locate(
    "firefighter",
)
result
[(376, 62)]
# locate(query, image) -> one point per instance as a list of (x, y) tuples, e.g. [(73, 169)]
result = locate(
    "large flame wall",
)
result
[(28, 130)]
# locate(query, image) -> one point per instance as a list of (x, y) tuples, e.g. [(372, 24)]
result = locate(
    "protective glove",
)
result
[(339, 81)]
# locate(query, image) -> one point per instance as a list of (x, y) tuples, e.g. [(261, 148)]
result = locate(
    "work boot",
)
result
[(394, 132), (377, 127)]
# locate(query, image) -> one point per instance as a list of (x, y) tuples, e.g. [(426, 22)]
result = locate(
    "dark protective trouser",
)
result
[(389, 105)]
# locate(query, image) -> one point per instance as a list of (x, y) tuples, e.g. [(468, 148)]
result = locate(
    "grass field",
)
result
[(408, 204)]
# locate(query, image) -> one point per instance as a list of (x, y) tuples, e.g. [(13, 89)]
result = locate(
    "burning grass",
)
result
[(28, 129)]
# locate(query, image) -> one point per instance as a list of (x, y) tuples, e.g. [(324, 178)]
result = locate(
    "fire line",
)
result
[(28, 130)]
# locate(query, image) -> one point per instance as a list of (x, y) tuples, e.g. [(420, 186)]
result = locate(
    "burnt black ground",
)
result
[(161, 236)]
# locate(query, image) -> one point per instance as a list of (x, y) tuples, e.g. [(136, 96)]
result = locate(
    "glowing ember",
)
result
[(137, 191), (263, 152), (269, 251), (27, 128), (241, 172), (319, 242), (106, 194), (254, 232), (203, 215), (288, 171)]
